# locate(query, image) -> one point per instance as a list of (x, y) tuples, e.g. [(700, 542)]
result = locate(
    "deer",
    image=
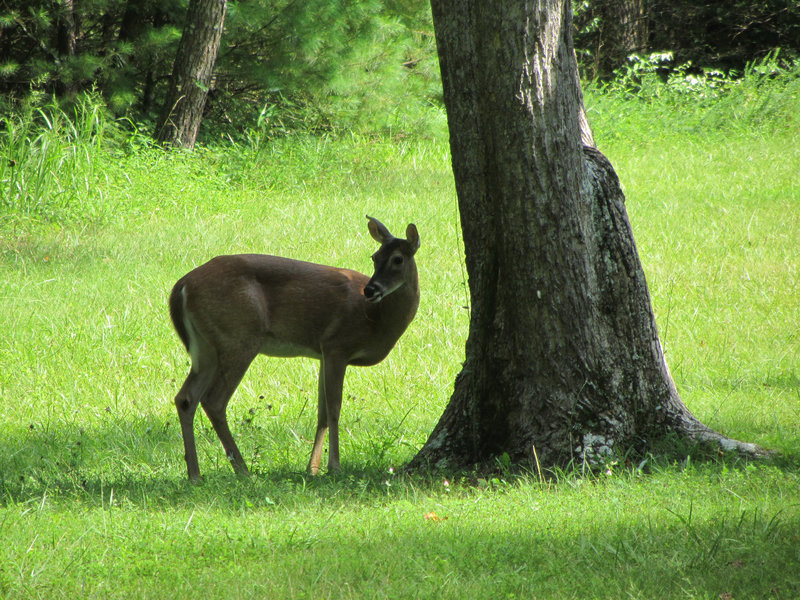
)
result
[(235, 307)]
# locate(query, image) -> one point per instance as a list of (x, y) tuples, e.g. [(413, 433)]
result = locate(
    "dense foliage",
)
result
[(318, 61), (323, 65), (707, 34), (51, 155)]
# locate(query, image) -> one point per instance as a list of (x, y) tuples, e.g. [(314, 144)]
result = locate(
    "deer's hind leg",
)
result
[(215, 404), (186, 402), (213, 379)]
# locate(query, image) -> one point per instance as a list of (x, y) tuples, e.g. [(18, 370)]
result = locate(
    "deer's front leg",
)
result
[(322, 422), (334, 381), (331, 379)]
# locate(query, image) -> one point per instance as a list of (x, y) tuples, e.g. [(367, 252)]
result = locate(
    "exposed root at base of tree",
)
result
[(711, 438), (695, 440)]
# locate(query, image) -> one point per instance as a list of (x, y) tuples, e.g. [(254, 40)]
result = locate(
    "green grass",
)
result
[(93, 497)]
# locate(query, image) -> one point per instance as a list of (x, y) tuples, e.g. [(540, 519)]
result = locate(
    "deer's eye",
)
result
[(397, 260)]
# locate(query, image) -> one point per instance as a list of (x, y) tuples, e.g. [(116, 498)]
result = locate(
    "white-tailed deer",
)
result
[(233, 308)]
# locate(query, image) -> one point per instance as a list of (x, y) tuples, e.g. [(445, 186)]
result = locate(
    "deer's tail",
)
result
[(176, 312)]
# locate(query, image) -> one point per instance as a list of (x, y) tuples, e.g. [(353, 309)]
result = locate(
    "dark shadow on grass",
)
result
[(222, 490), (667, 553), (68, 465), (71, 464)]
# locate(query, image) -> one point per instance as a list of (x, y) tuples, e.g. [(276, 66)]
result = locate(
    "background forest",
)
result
[(325, 65)]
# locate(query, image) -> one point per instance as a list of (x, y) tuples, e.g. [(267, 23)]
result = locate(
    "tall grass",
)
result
[(679, 101), (49, 167)]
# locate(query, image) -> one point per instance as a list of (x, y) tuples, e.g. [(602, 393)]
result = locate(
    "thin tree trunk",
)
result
[(624, 29), (133, 21), (563, 361), (192, 73), (66, 45), (634, 26)]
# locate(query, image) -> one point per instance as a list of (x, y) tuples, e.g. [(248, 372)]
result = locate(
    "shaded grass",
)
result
[(678, 532)]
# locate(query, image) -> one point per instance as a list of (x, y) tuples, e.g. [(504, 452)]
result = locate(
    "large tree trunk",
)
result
[(563, 361), (192, 73)]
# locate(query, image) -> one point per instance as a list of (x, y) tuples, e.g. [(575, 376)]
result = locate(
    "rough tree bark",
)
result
[(192, 73), (563, 360)]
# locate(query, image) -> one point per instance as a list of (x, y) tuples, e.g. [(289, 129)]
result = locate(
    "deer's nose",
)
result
[(372, 292)]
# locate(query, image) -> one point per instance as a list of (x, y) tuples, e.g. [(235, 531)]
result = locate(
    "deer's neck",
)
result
[(392, 315)]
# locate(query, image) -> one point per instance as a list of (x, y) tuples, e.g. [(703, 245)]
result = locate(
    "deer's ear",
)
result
[(412, 236), (378, 231)]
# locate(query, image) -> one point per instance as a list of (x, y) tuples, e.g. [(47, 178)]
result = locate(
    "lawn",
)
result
[(93, 497)]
